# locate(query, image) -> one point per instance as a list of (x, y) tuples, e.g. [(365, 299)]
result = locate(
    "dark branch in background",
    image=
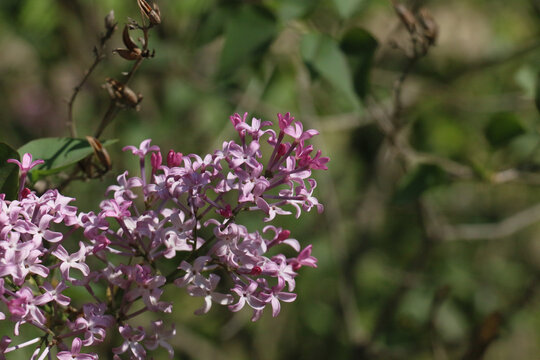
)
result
[(422, 30), (99, 54), (391, 124)]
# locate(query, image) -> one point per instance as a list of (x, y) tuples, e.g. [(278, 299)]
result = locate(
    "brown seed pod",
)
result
[(128, 41), (406, 16), (101, 154), (130, 98), (129, 54), (430, 27), (153, 14)]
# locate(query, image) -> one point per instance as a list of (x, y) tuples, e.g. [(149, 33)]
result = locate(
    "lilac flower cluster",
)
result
[(187, 211)]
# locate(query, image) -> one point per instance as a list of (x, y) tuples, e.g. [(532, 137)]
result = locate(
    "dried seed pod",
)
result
[(130, 98), (129, 54), (153, 14), (406, 16), (429, 26), (114, 88), (100, 152), (122, 94), (128, 41)]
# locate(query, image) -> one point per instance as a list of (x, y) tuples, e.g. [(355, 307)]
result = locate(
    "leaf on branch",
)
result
[(359, 46), (9, 173), (58, 154), (323, 57), (247, 36)]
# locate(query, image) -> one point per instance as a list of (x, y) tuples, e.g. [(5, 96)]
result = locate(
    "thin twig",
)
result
[(99, 54), (114, 106), (499, 230)]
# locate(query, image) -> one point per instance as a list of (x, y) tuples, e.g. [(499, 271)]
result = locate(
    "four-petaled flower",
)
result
[(75, 353), (26, 164)]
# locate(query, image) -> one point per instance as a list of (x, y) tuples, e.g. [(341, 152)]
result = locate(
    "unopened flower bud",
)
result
[(24, 194), (282, 149), (110, 22), (226, 212), (174, 158), (284, 235), (156, 160)]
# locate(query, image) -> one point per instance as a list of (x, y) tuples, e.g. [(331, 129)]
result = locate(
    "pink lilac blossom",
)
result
[(159, 214)]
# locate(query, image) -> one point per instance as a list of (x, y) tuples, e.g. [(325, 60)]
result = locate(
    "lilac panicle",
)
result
[(153, 216)]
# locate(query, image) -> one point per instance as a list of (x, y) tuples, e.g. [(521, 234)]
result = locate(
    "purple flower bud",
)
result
[(174, 159), (156, 160)]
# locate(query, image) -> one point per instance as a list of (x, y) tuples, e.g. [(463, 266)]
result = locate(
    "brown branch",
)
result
[(499, 230), (114, 105), (99, 55)]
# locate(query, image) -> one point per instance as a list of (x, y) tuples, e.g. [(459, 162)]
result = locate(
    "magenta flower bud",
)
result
[(156, 159), (226, 212), (282, 150), (284, 235), (25, 193), (174, 158), (256, 270)]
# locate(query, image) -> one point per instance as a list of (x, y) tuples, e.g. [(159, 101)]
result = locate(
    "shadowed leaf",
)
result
[(58, 153)]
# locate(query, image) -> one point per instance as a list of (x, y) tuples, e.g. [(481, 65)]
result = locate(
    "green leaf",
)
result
[(247, 36), (294, 9), (323, 56), (359, 46), (58, 154), (213, 24), (502, 128), (415, 183), (9, 173), (347, 8)]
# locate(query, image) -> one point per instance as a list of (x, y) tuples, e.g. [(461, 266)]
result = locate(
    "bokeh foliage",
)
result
[(415, 262)]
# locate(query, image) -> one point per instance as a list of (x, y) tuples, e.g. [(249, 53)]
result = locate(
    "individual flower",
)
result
[(143, 149), (75, 353), (26, 164)]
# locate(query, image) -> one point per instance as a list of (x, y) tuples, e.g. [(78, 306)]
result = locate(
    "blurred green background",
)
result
[(433, 255)]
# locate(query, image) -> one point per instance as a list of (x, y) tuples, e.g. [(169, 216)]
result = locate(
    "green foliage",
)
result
[(502, 128), (322, 55), (58, 154), (347, 8), (247, 35), (9, 173), (418, 181), (359, 46)]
